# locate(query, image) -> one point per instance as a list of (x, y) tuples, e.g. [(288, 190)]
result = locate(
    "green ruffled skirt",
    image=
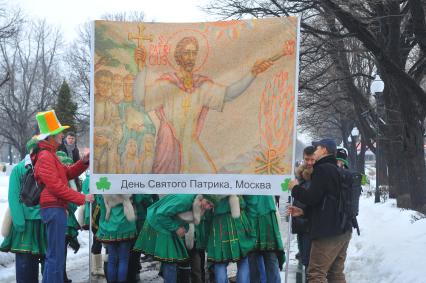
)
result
[(33, 240), (268, 236), (164, 247), (116, 236), (230, 239)]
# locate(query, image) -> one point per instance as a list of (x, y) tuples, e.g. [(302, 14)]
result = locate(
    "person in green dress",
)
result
[(231, 238), (141, 202), (163, 232), (117, 233), (26, 237), (269, 250)]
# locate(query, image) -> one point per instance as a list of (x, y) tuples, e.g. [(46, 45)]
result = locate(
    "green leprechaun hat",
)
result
[(48, 124)]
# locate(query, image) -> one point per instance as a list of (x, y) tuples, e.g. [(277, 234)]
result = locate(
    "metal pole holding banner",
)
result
[(90, 243), (290, 202)]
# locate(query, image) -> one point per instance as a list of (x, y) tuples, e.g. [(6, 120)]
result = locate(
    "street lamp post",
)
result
[(376, 90), (355, 134)]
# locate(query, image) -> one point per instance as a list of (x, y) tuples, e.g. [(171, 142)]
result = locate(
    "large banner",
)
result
[(194, 108)]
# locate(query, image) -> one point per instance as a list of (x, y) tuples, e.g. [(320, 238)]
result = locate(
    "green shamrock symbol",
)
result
[(284, 185), (103, 184)]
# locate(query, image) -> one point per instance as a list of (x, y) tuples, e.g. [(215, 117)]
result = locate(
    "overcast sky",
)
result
[(68, 14)]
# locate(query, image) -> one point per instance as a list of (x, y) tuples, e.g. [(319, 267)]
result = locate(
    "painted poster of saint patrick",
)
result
[(198, 98), (181, 100)]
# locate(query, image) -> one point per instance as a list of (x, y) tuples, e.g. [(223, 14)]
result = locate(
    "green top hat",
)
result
[(48, 124)]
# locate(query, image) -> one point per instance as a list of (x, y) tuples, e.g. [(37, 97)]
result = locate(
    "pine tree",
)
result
[(65, 108)]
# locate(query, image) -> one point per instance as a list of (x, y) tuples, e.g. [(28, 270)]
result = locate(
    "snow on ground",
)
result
[(391, 247)]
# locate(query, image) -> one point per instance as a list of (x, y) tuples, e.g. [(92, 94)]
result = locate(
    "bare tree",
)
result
[(134, 16), (79, 59), (10, 23), (394, 34), (30, 57)]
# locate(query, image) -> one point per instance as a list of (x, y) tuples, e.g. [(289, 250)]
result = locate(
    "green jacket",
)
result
[(117, 227), (86, 185), (222, 206), (86, 191), (162, 215), (259, 205), (141, 203), (19, 211)]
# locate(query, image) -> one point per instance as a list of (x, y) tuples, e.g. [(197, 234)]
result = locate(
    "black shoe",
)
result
[(297, 256), (66, 279)]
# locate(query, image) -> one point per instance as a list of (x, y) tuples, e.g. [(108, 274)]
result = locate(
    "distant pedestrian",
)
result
[(69, 146)]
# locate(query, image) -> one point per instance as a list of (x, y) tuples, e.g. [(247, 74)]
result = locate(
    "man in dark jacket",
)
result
[(329, 240), (53, 175), (69, 146)]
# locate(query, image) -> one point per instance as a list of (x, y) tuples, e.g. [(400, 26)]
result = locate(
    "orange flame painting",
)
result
[(276, 123)]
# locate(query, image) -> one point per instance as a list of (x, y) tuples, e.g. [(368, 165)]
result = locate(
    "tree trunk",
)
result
[(415, 162), (405, 156), (393, 166)]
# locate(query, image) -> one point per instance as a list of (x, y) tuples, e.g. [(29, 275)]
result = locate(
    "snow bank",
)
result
[(390, 249)]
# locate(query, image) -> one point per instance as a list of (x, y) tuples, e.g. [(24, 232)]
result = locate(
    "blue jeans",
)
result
[(262, 271), (243, 272), (56, 222), (26, 268), (118, 261), (257, 268), (169, 272), (271, 267)]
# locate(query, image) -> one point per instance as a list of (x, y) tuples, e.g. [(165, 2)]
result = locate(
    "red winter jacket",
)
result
[(54, 175)]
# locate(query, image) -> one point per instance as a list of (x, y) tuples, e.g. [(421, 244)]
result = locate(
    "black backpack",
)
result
[(350, 192), (30, 189)]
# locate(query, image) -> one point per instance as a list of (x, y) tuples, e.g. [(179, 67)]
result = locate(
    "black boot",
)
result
[(66, 280), (133, 271), (184, 274)]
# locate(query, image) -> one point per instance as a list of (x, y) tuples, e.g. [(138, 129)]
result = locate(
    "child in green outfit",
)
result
[(117, 232), (231, 238), (269, 251), (162, 235)]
